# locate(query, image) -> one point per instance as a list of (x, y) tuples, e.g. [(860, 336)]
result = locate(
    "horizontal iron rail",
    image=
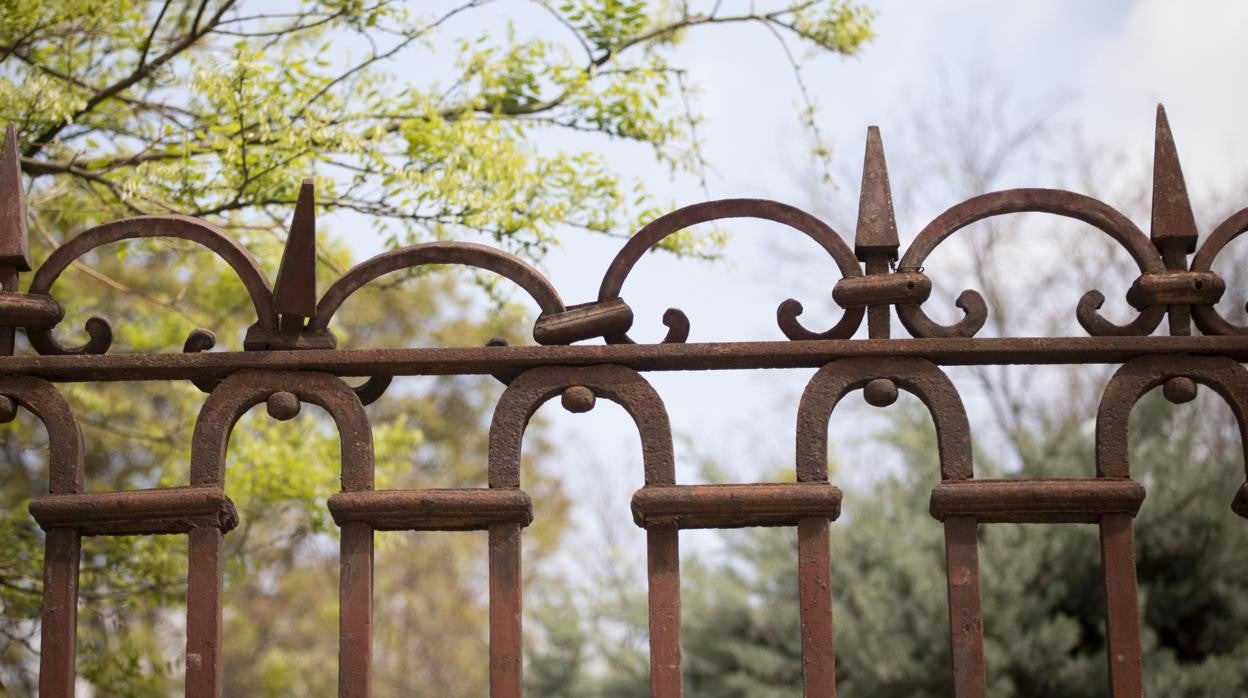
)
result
[(641, 357)]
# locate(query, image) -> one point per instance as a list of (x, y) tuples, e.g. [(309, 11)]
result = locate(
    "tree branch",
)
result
[(141, 72)]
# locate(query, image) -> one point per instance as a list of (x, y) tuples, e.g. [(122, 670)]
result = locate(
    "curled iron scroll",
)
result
[(1207, 317), (182, 227), (918, 376), (1055, 201), (788, 311), (624, 386), (202, 340), (462, 253), (246, 389), (1136, 377)]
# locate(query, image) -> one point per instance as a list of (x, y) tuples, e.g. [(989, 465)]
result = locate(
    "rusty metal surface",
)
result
[(294, 289), (462, 509), (706, 356), (1207, 317), (290, 357), (414, 256), (523, 396), (735, 506), (1036, 501), (137, 512), (1095, 213), (14, 243)]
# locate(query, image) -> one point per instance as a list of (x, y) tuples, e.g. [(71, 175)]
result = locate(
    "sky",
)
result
[(1095, 69)]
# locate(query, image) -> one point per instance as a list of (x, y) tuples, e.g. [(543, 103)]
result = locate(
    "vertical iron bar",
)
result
[(205, 579), (1122, 615), (663, 570), (814, 584), (966, 625), (58, 639), (879, 317), (355, 611), (8, 284), (506, 650)]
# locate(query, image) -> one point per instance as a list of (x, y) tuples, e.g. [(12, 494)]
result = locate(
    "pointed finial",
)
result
[(294, 293), (1172, 210), (14, 245), (877, 227)]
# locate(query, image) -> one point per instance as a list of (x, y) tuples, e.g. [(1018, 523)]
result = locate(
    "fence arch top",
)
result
[(246, 389), (1207, 317), (462, 253), (917, 376), (198, 231), (1098, 214), (65, 472), (1136, 377), (788, 311), (623, 386)]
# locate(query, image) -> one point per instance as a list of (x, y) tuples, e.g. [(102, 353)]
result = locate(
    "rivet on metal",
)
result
[(283, 405), (1179, 389), (8, 409), (578, 399), (880, 392)]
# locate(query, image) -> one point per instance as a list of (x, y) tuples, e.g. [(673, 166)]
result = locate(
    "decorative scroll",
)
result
[(182, 227), (463, 253), (289, 316), (1063, 203), (1207, 317), (664, 226)]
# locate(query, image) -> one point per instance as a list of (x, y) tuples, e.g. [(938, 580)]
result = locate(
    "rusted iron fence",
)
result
[(290, 358)]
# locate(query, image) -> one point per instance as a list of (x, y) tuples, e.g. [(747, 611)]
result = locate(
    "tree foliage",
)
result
[(207, 108), (432, 119)]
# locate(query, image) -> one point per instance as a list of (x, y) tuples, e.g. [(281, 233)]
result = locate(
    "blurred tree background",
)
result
[(218, 108)]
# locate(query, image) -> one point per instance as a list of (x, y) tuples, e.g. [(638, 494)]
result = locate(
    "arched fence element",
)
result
[(290, 356)]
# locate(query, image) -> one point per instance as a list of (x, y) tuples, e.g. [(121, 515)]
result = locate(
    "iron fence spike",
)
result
[(1172, 217), (877, 226), (294, 293), (14, 243)]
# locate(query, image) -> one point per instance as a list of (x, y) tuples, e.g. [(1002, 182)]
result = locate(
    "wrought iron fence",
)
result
[(290, 358)]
